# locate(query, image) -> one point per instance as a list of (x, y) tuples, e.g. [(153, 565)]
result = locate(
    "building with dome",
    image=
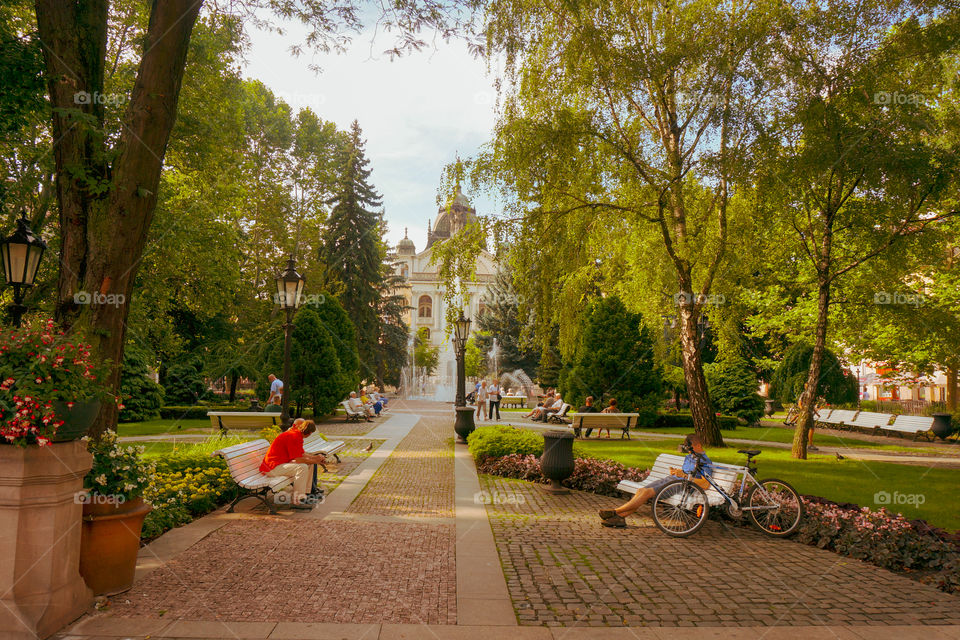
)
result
[(425, 292)]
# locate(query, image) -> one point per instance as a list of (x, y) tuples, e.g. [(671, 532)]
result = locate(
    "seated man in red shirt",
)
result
[(287, 458)]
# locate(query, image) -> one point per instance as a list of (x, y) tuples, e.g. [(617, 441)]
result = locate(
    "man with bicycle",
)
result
[(696, 465)]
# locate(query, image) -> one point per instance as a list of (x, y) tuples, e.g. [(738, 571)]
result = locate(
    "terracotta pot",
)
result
[(40, 587), (110, 543)]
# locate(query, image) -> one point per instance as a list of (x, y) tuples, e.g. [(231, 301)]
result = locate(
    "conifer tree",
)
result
[(353, 251)]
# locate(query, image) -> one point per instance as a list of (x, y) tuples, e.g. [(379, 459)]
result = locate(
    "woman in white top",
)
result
[(482, 400)]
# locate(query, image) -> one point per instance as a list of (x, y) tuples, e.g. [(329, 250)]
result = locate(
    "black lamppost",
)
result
[(289, 289), (464, 423), (20, 254)]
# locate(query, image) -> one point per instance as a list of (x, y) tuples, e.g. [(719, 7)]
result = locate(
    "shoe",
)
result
[(607, 513), (812, 448), (303, 506), (616, 522)]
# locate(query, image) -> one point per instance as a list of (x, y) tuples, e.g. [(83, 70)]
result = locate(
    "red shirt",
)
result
[(286, 447)]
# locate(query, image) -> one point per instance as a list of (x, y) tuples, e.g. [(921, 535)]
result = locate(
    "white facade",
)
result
[(425, 292)]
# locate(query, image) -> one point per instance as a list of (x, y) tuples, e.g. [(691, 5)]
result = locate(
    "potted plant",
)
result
[(41, 478), (48, 386), (113, 513)]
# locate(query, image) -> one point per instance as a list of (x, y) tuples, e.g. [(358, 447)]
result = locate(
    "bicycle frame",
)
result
[(748, 472)]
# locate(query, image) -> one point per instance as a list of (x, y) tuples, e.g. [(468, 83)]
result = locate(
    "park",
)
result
[(479, 318)]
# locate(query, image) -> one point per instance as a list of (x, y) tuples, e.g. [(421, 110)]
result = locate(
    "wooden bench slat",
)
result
[(870, 420)]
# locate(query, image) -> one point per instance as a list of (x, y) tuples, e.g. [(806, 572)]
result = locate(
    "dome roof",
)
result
[(406, 246)]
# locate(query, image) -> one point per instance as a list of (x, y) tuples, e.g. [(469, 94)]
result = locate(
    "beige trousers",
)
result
[(299, 472)]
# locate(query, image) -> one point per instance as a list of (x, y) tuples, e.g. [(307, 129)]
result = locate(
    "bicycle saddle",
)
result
[(750, 452)]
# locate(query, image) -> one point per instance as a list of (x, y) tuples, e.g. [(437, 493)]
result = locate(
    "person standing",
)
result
[(274, 402), (494, 396), (482, 401)]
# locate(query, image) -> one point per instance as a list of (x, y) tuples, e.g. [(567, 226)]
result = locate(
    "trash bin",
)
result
[(556, 463), (464, 424)]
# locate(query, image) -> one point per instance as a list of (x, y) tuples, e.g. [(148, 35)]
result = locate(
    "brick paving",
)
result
[(280, 569), (417, 479), (563, 569), (339, 427)]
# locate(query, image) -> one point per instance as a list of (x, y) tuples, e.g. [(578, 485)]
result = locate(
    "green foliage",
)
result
[(140, 395), (503, 320), (733, 388), (836, 385), (118, 473), (342, 333), (183, 381), (473, 359), (353, 251), (615, 360), (314, 365), (424, 355), (502, 440)]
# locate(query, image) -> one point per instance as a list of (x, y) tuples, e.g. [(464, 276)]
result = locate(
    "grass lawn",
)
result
[(162, 426), (839, 480), (156, 449), (778, 434)]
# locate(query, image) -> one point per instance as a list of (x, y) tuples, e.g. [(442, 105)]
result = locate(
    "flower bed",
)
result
[(878, 537)]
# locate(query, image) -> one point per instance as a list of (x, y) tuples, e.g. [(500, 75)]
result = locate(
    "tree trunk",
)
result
[(234, 379), (701, 409), (106, 210), (808, 399), (952, 387)]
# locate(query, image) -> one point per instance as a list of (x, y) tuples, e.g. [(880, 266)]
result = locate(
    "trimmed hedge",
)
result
[(501, 440)]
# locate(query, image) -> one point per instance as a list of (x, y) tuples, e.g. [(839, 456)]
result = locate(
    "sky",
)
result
[(417, 112)]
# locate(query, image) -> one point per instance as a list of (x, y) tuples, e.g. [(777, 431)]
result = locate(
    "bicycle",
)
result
[(681, 508), (792, 414)]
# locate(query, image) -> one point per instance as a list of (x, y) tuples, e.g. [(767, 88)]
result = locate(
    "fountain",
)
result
[(518, 381)]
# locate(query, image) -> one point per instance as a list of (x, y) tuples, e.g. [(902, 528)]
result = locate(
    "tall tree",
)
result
[(393, 331), (352, 249), (502, 320), (107, 183), (626, 115), (853, 168)]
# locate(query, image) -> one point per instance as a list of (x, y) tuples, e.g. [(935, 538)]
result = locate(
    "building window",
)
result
[(405, 271), (426, 333), (425, 307), (481, 309)]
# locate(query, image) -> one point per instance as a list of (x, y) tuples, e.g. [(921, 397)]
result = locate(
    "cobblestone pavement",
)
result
[(278, 569), (417, 479), (563, 569), (339, 427)]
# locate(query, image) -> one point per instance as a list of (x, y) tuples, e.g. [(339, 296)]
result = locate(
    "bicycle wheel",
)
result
[(780, 508), (680, 508)]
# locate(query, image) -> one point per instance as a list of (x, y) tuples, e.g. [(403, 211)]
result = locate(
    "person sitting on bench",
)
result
[(286, 457), (358, 407), (541, 407), (617, 517), (588, 408)]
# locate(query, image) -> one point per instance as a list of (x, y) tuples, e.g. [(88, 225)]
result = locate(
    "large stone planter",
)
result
[(110, 543), (942, 425), (40, 585)]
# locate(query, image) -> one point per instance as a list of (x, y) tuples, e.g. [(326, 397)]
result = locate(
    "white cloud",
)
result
[(417, 112)]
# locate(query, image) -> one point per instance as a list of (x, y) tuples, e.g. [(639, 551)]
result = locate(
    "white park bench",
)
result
[(353, 416), (243, 461), (316, 443), (870, 420), (560, 417), (725, 475), (912, 424), (838, 417), (225, 420), (620, 421), (515, 401)]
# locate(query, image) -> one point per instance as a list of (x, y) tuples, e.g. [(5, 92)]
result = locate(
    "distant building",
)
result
[(425, 292)]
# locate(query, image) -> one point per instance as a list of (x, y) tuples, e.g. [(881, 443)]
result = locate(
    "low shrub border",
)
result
[(881, 538)]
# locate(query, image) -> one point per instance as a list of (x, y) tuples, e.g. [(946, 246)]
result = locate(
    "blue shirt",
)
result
[(690, 463), (276, 386)]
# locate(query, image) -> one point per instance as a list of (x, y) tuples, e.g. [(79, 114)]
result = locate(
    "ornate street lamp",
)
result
[(20, 254), (289, 289), (464, 423)]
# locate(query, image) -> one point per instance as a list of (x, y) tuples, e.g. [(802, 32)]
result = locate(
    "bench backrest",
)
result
[(871, 419), (243, 460), (350, 412), (838, 416), (611, 419), (725, 475), (912, 424), (314, 437), (251, 419)]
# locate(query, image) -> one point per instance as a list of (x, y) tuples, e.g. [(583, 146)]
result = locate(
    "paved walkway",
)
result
[(404, 547)]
